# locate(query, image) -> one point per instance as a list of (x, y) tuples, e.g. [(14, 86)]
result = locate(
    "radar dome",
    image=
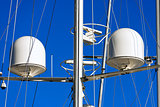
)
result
[(27, 57), (125, 49)]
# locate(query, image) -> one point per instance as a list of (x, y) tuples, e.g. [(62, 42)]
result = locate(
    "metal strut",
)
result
[(104, 54)]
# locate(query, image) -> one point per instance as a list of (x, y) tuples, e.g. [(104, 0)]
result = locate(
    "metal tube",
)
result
[(158, 52), (104, 55), (78, 52)]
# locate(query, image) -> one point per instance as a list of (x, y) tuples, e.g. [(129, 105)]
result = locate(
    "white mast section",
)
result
[(158, 51), (78, 53), (104, 54)]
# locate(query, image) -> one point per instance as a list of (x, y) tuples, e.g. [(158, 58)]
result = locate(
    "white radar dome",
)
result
[(28, 57), (125, 49)]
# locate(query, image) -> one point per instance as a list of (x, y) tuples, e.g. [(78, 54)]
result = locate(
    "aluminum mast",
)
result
[(78, 53), (158, 51)]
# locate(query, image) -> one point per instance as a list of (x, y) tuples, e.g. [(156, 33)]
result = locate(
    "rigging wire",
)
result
[(11, 51), (114, 90), (32, 16), (9, 21), (86, 96), (115, 18), (67, 98), (27, 58), (152, 92), (7, 28), (119, 76), (153, 38), (50, 24), (18, 93), (122, 90), (151, 34), (152, 95), (27, 61), (31, 47), (33, 44), (150, 89), (4, 53), (149, 93), (133, 79), (41, 18), (45, 48), (144, 33), (35, 94), (142, 16), (143, 25), (141, 87), (135, 90), (102, 18), (105, 14), (147, 24)]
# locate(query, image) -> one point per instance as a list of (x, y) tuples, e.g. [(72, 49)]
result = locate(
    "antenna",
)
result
[(52, 65), (89, 37), (92, 30)]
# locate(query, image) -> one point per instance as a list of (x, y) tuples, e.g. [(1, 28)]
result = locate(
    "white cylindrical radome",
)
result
[(28, 57), (125, 49)]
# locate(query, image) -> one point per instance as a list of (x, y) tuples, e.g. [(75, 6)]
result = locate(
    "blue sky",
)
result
[(60, 45)]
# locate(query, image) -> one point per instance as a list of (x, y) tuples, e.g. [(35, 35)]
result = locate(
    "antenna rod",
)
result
[(158, 51), (78, 53), (104, 55)]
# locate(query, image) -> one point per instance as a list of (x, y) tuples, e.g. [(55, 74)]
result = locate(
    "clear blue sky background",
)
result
[(60, 44)]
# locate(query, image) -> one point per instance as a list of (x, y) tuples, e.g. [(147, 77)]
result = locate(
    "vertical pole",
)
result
[(78, 52), (158, 51), (104, 54), (51, 65)]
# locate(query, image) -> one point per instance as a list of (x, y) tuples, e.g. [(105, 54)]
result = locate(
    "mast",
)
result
[(78, 53), (104, 54), (158, 52)]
